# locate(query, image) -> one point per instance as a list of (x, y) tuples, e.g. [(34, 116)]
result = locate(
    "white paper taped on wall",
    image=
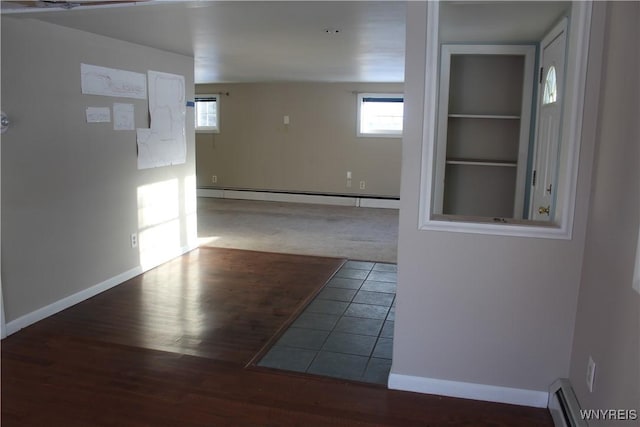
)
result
[(164, 143), (98, 115), (123, 117), (105, 81)]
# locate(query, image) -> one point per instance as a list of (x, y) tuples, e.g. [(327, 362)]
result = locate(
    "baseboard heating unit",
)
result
[(564, 406)]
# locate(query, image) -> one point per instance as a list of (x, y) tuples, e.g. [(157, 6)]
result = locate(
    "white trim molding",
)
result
[(488, 393), (366, 202), (571, 135), (64, 303), (317, 199)]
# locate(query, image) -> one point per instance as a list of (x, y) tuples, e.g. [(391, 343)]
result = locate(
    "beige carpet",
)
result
[(335, 231)]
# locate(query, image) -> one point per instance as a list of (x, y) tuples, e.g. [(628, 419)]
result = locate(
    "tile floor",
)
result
[(347, 330)]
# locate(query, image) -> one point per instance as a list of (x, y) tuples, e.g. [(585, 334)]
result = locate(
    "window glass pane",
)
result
[(206, 113), (550, 87), (381, 115)]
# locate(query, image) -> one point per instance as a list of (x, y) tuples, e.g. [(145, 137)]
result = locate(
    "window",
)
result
[(207, 113), (380, 115), (550, 87)]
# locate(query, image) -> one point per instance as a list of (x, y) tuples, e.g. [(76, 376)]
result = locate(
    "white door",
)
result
[(545, 163)]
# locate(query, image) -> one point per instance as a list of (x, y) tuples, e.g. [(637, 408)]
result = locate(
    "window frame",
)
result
[(385, 133), (203, 98)]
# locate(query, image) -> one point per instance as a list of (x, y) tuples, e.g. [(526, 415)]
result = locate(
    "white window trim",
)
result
[(359, 132), (207, 129)]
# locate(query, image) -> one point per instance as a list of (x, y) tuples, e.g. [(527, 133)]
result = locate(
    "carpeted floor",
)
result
[(335, 231)]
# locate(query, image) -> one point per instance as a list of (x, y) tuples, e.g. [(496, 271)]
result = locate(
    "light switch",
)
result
[(286, 120)]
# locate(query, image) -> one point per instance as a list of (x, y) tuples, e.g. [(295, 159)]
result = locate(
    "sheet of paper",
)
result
[(123, 118), (164, 144), (105, 81), (145, 141), (98, 115)]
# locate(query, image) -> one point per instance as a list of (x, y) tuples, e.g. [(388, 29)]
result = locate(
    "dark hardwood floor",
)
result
[(169, 348)]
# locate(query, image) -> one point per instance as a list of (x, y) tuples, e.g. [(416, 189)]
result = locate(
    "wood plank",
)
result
[(168, 348)]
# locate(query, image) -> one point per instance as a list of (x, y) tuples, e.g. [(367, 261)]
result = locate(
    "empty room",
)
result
[(320, 213)]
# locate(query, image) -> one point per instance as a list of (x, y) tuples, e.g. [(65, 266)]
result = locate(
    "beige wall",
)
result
[(483, 309), (70, 189), (608, 318), (255, 150)]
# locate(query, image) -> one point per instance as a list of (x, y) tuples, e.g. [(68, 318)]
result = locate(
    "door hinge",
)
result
[(533, 179)]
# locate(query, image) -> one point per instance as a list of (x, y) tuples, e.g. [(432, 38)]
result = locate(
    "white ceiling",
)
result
[(246, 41), (499, 21)]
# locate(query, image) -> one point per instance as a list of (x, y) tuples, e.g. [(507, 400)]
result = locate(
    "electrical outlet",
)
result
[(591, 374), (134, 240), (214, 179), (362, 185)]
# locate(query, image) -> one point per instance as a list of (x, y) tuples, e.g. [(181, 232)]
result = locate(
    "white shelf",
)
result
[(482, 163), (483, 116)]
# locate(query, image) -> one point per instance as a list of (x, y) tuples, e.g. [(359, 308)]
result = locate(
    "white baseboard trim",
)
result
[(51, 309), (364, 202), (208, 192), (64, 303), (489, 393), (289, 197), (379, 203)]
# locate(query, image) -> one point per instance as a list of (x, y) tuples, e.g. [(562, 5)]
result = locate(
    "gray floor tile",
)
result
[(377, 371), (387, 329), (337, 294), (367, 310), (372, 286), (392, 314), (385, 267), (356, 325), (352, 273), (348, 366), (347, 330), (375, 298), (383, 276), (311, 339), (327, 307), (384, 348), (324, 322), (287, 358), (360, 265), (340, 342), (341, 282)]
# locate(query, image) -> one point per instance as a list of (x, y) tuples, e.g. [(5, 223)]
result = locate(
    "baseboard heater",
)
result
[(299, 197), (564, 406)]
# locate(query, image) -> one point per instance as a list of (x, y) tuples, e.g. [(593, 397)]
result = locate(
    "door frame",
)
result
[(557, 29)]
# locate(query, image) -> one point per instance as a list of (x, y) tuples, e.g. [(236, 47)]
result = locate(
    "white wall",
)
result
[(608, 318), (491, 316), (71, 190), (256, 150)]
